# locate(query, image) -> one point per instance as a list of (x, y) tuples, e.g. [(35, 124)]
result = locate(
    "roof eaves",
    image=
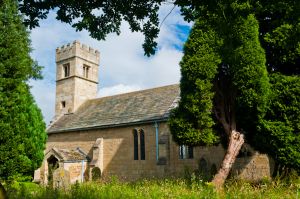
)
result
[(161, 119)]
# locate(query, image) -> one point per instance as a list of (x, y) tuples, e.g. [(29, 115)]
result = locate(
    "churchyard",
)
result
[(189, 187)]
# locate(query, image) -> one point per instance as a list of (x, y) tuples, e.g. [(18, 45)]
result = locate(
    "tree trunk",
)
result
[(236, 140), (2, 192)]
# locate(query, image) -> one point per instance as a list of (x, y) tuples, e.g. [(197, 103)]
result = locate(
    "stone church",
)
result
[(124, 135)]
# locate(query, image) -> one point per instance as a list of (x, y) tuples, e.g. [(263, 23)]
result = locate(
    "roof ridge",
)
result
[(134, 92)]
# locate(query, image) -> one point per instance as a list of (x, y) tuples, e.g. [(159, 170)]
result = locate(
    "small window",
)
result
[(135, 145), (63, 104), (142, 143), (66, 70), (186, 152), (86, 71)]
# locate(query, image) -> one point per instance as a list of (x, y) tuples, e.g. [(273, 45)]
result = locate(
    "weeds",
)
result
[(191, 187)]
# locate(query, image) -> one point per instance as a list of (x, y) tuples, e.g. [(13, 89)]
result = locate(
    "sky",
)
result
[(123, 66)]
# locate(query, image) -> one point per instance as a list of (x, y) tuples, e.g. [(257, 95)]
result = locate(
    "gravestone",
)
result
[(61, 178)]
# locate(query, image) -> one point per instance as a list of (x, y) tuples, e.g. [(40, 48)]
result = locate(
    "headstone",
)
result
[(61, 178)]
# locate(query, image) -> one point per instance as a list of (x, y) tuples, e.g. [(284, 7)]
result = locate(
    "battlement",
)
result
[(77, 49), (75, 44)]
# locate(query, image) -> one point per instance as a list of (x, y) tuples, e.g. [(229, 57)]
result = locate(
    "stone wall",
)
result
[(76, 170), (118, 154)]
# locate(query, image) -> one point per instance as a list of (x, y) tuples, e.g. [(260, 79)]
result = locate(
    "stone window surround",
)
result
[(186, 152), (85, 71), (139, 144), (66, 70), (63, 104)]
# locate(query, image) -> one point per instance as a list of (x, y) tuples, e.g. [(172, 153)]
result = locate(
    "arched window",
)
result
[(96, 173), (135, 145), (142, 143), (186, 152)]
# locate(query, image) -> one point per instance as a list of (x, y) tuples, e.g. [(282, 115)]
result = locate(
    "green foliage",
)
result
[(22, 135), (242, 76), (16, 64), (224, 79), (249, 75), (279, 133), (162, 189), (278, 26), (280, 34), (191, 123)]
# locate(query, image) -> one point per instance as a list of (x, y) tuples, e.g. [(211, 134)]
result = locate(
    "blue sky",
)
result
[(123, 66)]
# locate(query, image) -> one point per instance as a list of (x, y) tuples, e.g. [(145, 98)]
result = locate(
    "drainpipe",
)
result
[(156, 139), (82, 170)]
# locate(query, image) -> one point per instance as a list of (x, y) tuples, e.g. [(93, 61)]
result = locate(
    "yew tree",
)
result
[(224, 80), (278, 132), (23, 134)]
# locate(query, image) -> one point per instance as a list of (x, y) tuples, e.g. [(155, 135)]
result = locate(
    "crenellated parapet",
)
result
[(79, 50)]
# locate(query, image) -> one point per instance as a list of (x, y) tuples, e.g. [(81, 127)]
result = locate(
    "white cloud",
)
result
[(123, 66), (117, 89)]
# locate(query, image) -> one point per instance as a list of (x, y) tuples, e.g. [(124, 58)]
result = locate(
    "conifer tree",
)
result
[(279, 130), (22, 135), (224, 81)]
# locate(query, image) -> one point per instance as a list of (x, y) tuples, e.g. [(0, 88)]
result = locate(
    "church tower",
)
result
[(76, 76)]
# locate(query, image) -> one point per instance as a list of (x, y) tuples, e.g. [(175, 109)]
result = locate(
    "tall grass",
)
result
[(167, 188)]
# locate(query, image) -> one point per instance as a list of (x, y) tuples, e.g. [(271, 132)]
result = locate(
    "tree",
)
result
[(23, 134), (246, 36), (224, 80), (279, 130), (280, 34)]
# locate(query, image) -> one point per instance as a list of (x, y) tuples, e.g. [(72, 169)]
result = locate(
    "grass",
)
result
[(167, 188)]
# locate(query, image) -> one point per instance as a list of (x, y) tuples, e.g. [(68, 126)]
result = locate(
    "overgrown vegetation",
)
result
[(168, 188), (279, 130)]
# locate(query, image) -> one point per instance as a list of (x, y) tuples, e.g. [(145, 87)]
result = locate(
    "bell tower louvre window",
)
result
[(66, 70)]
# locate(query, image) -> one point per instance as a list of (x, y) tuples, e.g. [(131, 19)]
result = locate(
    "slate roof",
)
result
[(118, 110), (69, 155)]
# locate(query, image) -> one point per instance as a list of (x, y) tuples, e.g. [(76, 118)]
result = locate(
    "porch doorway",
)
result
[(52, 166)]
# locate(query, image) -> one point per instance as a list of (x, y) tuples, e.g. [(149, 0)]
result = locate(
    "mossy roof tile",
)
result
[(134, 107)]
